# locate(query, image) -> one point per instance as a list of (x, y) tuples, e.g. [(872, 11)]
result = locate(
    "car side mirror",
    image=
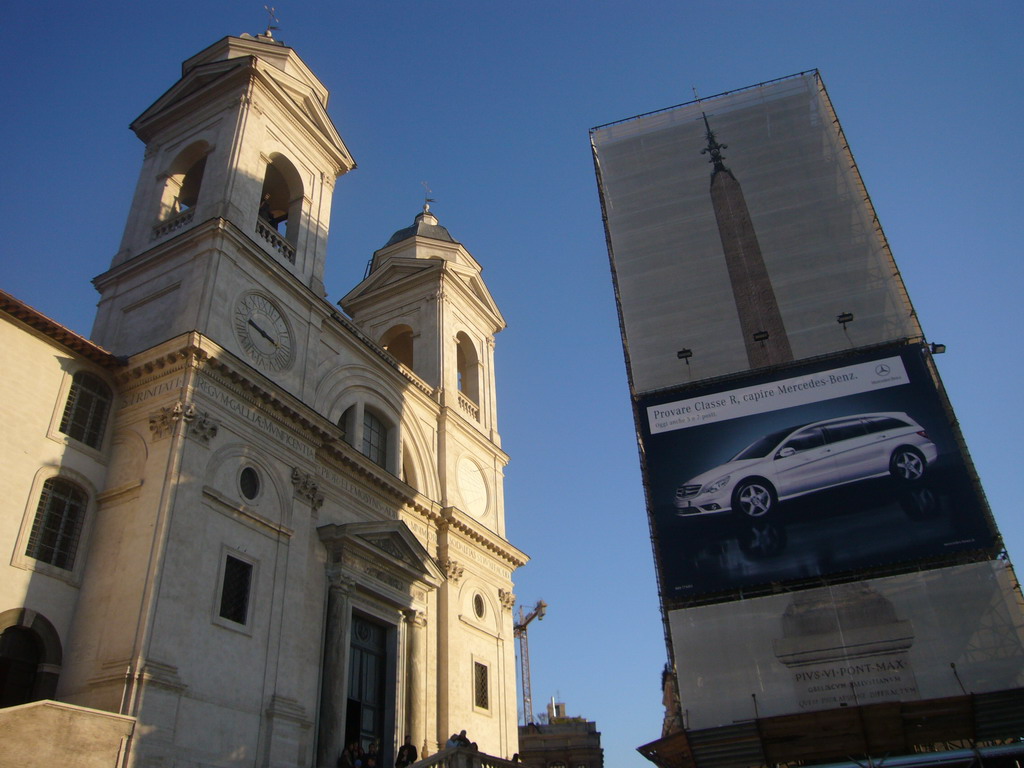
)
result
[(784, 452)]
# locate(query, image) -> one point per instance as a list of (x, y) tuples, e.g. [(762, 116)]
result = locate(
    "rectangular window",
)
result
[(481, 697), (234, 595), (375, 439)]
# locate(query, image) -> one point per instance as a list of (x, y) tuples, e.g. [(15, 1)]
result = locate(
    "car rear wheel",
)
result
[(753, 498), (907, 464)]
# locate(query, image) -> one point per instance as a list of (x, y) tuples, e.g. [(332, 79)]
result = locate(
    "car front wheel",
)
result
[(753, 498), (907, 464)]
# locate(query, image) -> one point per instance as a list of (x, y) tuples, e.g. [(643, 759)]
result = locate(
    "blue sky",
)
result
[(490, 104)]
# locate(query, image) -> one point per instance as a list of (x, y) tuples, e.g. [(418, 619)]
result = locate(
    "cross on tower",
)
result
[(272, 13)]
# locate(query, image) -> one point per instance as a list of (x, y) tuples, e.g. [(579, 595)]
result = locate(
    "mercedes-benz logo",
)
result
[(882, 369)]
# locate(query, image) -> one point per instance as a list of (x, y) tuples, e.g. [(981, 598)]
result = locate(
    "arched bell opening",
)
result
[(183, 181), (281, 198)]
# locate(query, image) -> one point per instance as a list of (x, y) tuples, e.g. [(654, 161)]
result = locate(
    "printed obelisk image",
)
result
[(763, 332)]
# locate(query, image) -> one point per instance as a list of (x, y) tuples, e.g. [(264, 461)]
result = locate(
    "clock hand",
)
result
[(263, 333)]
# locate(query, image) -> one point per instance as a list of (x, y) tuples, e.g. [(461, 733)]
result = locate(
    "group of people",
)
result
[(353, 755), (459, 740)]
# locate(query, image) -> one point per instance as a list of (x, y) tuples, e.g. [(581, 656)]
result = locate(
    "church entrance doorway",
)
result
[(367, 677)]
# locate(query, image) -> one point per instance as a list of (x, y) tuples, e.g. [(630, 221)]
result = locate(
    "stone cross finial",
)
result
[(272, 13)]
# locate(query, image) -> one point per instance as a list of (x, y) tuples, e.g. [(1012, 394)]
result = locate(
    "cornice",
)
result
[(210, 228), (221, 363), (224, 77), (170, 357), (195, 349), (341, 454), (444, 274), (455, 278), (338, 152), (415, 242), (232, 78), (455, 520), (382, 353)]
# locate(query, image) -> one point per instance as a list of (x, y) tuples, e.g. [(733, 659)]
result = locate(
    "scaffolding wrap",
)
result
[(722, 207)]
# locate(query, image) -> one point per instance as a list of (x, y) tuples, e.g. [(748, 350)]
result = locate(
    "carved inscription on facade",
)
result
[(418, 529), (134, 398), (360, 494), (478, 557), (261, 421)]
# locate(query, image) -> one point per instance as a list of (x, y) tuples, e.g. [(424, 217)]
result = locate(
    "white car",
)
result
[(808, 458)]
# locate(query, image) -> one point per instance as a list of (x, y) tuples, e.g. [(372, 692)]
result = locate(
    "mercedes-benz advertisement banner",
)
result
[(836, 466), (923, 635)]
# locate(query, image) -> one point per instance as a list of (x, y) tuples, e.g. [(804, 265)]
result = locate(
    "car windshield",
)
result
[(763, 446)]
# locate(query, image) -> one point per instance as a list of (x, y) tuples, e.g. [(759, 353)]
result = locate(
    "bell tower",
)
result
[(227, 231), (425, 301)]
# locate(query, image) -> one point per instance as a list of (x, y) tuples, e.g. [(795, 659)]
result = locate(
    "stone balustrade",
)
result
[(274, 239), (173, 224), (464, 757), (470, 408)]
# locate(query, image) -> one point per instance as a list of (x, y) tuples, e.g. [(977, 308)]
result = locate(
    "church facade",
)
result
[(261, 527)]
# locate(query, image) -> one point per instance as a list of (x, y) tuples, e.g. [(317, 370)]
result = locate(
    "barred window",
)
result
[(234, 594), (58, 523), (85, 412), (375, 439), (481, 697)]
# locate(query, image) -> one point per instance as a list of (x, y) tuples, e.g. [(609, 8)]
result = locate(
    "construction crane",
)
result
[(519, 630)]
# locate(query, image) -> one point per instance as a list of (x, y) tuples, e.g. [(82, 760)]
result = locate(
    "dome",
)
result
[(424, 225)]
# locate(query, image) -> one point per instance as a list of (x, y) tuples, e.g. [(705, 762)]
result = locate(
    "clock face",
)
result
[(472, 487), (263, 332)]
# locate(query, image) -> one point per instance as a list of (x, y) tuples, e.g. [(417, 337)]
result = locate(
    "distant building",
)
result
[(241, 526), (561, 742)]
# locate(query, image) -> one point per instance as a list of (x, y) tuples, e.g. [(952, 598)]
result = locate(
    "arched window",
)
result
[(398, 341), (375, 439), (467, 364), (58, 523), (183, 181), (20, 655), (281, 200), (85, 412)]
